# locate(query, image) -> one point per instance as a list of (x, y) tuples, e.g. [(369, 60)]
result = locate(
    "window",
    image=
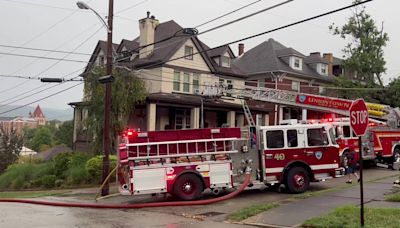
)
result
[(101, 60), (229, 84), (296, 63), (182, 118), (346, 131), (292, 138), (296, 86), (225, 61), (275, 139), (332, 135), (189, 52), (317, 137), (324, 69), (186, 80), (177, 81), (260, 83), (321, 90), (196, 83)]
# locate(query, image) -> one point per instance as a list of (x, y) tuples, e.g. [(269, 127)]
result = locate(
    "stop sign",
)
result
[(359, 117)]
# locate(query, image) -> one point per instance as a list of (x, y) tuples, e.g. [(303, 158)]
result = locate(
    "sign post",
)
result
[(359, 123)]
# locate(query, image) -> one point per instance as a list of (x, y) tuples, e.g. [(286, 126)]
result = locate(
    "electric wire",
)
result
[(44, 50), (42, 57)]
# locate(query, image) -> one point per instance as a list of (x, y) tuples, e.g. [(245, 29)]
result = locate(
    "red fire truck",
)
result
[(382, 140), (186, 162)]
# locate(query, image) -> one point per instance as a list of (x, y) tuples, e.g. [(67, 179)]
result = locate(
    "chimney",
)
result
[(315, 54), (147, 27), (241, 49), (329, 58)]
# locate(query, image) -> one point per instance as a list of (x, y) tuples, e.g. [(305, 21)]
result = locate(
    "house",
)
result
[(38, 116), (273, 65), (18, 124), (189, 90)]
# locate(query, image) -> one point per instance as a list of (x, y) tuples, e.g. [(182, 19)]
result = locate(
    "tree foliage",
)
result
[(43, 136), (127, 91), (10, 147), (63, 135), (363, 54)]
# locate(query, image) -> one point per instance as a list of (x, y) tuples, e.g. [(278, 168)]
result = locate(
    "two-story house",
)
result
[(273, 65), (182, 92)]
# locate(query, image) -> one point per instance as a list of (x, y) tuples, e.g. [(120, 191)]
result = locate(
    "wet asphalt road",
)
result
[(25, 215)]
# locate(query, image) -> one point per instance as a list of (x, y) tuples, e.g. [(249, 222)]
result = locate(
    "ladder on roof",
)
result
[(247, 114)]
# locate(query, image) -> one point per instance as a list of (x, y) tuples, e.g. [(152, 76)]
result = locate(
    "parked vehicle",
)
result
[(186, 162)]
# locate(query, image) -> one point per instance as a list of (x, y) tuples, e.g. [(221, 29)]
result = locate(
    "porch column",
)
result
[(240, 120), (151, 116), (266, 119), (195, 117), (231, 118)]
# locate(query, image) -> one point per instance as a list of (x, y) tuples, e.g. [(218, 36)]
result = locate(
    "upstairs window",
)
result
[(186, 80), (189, 52), (177, 81), (196, 83), (225, 61), (101, 60), (323, 69), (296, 63), (296, 86)]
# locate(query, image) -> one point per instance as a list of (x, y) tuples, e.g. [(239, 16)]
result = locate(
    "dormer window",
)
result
[(101, 60), (225, 61), (296, 63), (322, 69)]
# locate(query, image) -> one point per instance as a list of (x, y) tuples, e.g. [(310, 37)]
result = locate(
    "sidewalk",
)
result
[(295, 213)]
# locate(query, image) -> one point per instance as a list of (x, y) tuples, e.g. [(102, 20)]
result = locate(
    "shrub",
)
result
[(61, 164), (94, 167), (77, 175), (48, 181)]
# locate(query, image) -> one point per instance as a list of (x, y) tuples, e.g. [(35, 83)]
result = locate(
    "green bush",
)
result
[(48, 181), (61, 164), (94, 167), (77, 175)]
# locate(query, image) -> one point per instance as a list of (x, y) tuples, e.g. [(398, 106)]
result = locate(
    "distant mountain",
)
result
[(50, 113)]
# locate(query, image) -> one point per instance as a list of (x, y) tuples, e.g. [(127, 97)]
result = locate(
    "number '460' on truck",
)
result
[(187, 162)]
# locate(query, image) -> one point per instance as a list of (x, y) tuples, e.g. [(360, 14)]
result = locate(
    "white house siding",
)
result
[(196, 63), (152, 78)]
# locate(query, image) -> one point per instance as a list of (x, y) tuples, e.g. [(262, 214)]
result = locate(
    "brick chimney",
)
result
[(147, 27), (329, 58), (241, 49)]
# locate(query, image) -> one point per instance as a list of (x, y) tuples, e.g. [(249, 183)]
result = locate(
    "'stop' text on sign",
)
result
[(359, 117)]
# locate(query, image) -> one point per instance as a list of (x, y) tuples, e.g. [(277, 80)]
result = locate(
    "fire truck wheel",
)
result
[(297, 180), (188, 187), (396, 155)]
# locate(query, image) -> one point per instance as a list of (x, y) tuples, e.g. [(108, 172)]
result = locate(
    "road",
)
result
[(25, 215)]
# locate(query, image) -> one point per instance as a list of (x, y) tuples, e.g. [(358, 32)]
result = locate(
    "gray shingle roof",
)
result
[(267, 57), (315, 58)]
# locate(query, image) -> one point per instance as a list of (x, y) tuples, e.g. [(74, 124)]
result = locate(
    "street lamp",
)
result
[(107, 98)]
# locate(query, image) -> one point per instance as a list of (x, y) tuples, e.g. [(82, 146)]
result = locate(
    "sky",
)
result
[(60, 25)]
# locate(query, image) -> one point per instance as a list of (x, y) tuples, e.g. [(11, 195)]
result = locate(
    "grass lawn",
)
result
[(247, 212), (31, 194), (349, 216), (395, 197)]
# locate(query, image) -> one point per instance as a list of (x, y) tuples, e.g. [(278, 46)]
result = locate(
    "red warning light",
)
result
[(131, 133), (330, 119)]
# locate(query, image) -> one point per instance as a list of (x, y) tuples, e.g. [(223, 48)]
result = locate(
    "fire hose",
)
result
[(133, 206)]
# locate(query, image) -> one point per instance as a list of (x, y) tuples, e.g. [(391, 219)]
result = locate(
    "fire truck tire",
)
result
[(396, 154), (188, 187), (297, 180)]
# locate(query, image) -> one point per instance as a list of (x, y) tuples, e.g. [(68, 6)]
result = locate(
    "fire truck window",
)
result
[(292, 138), (317, 137), (346, 132), (275, 139)]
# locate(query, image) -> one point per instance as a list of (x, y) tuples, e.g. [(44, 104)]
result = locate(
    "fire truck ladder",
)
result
[(247, 113), (182, 148)]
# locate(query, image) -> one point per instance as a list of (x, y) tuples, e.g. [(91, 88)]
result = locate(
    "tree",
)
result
[(127, 91), (64, 133), (43, 136), (363, 53), (10, 147), (392, 93)]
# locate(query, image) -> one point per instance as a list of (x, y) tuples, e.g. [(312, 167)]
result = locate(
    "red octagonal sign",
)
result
[(359, 117)]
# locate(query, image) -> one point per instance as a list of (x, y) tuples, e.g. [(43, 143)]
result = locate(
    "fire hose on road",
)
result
[(133, 206)]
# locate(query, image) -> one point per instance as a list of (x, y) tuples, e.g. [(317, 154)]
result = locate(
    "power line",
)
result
[(53, 94), (44, 50), (42, 57), (132, 6), (226, 14), (262, 33)]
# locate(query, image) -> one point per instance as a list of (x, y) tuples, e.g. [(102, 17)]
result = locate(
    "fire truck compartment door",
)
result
[(149, 180), (220, 175)]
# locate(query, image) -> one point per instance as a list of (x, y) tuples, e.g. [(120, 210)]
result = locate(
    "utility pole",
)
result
[(107, 103)]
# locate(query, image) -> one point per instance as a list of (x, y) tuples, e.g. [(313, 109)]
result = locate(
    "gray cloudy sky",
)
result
[(60, 25)]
